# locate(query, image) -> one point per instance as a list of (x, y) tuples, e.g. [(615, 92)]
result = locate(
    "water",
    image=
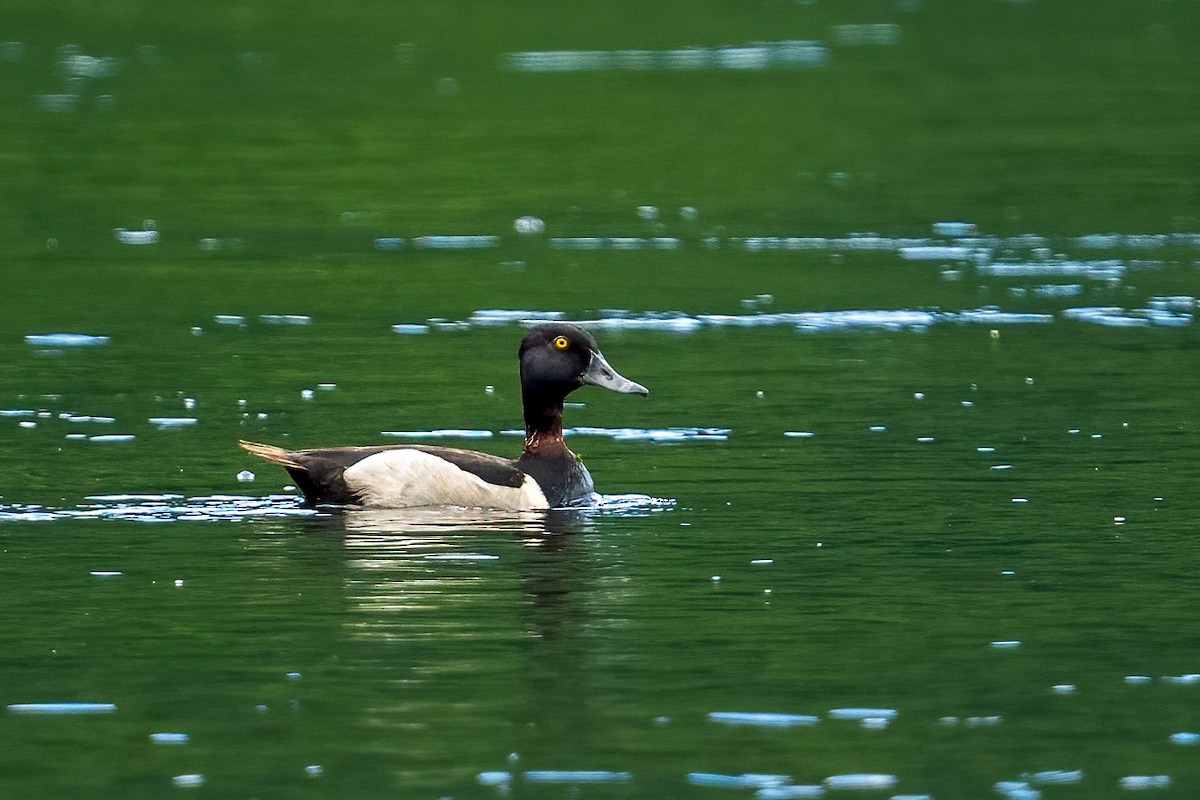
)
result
[(910, 509)]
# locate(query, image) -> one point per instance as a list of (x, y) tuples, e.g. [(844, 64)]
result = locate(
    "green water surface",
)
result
[(963, 484)]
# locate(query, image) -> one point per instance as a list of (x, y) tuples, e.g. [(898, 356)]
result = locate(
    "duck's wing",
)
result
[(400, 476)]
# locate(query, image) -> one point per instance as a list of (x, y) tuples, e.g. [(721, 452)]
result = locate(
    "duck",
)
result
[(555, 359)]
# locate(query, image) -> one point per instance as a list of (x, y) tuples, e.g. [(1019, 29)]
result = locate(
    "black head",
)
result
[(557, 358)]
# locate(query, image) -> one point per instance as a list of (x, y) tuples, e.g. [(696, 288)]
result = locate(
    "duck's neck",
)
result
[(543, 425)]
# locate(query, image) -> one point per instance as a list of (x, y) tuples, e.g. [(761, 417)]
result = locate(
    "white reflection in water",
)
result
[(62, 708), (878, 34), (747, 780), (861, 781), (471, 242), (762, 719), (164, 508), (65, 340), (577, 776), (796, 792), (1057, 776), (1137, 782), (756, 56), (863, 713)]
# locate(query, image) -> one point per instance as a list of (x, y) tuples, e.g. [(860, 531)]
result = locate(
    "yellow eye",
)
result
[(561, 343)]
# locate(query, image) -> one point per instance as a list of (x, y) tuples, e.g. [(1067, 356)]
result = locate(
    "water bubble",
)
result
[(647, 212), (529, 226), (448, 87), (1006, 645), (306, 394), (188, 780), (143, 237), (495, 778), (689, 213), (314, 770), (1187, 739)]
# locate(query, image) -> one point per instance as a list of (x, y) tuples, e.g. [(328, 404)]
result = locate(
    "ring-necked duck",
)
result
[(556, 359)]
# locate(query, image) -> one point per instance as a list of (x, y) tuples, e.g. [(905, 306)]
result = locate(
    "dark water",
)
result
[(912, 500)]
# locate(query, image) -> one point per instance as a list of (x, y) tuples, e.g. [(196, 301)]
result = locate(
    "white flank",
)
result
[(410, 478)]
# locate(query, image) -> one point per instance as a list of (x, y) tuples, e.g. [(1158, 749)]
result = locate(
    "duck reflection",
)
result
[(453, 624), (408, 522)]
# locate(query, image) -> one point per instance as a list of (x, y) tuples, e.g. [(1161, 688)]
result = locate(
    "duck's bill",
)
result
[(599, 373)]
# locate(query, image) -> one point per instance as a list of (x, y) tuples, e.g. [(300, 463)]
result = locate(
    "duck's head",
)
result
[(558, 358)]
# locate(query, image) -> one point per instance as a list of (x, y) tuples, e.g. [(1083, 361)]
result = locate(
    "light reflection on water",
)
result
[(403, 521)]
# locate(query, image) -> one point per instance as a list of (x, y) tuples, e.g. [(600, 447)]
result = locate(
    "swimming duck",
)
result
[(556, 359)]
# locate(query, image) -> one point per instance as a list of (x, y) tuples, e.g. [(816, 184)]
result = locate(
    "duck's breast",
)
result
[(405, 478)]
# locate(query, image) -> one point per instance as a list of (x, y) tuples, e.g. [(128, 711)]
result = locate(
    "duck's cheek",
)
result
[(408, 478)]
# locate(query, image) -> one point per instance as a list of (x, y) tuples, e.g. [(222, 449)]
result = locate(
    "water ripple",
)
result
[(163, 508), (235, 508)]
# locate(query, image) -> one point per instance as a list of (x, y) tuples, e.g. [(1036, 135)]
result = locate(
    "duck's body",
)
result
[(555, 360)]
